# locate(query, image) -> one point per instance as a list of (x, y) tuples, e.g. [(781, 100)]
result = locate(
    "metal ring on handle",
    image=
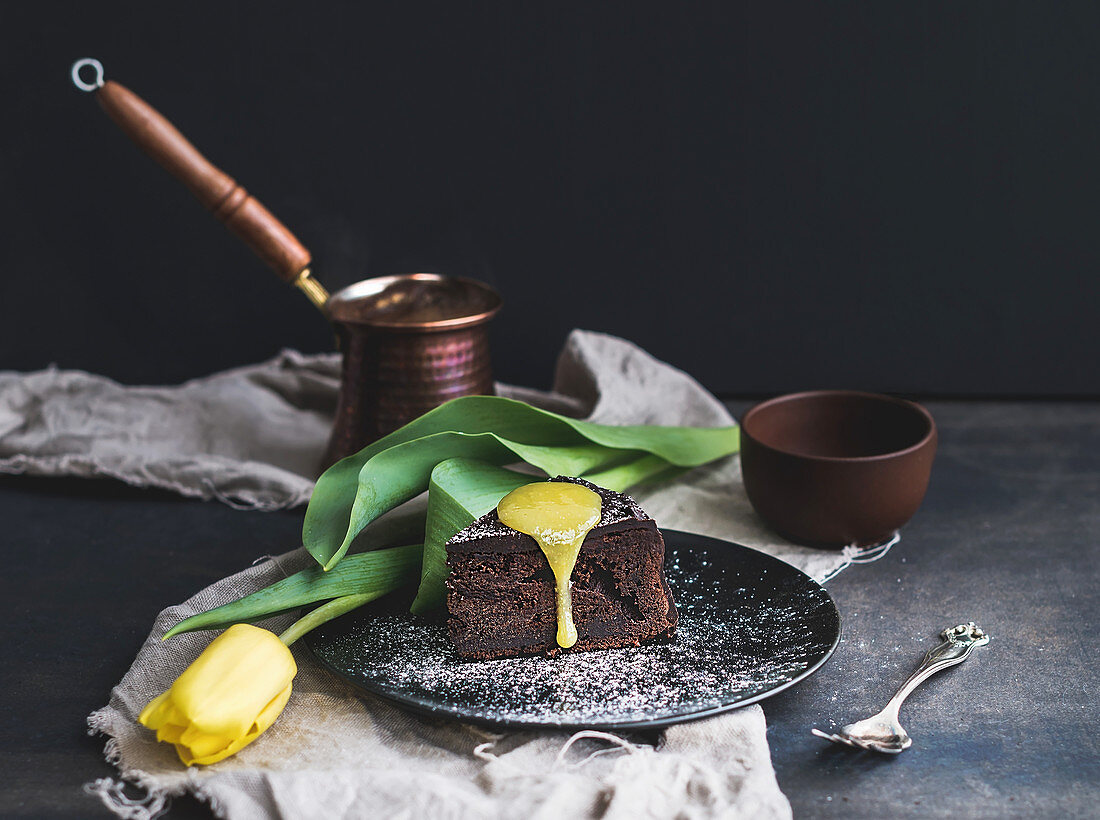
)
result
[(79, 82)]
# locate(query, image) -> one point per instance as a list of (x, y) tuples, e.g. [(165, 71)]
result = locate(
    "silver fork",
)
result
[(883, 732)]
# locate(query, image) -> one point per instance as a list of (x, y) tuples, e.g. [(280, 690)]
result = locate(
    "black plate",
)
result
[(750, 626)]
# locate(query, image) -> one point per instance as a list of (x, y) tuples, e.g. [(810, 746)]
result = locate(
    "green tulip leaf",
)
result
[(368, 573), (401, 473), (461, 491), (628, 474), (355, 491)]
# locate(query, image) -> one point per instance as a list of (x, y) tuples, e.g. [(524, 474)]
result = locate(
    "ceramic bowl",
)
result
[(837, 467)]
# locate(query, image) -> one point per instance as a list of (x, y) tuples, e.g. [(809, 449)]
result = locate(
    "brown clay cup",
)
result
[(831, 468)]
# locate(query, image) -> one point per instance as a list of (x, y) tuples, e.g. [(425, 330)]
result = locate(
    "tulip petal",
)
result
[(203, 754), (170, 733), (270, 712), (155, 713), (201, 746), (233, 680)]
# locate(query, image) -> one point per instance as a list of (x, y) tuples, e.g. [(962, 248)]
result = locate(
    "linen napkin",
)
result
[(250, 436)]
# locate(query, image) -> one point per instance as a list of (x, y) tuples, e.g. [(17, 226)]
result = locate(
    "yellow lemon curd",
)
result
[(558, 515)]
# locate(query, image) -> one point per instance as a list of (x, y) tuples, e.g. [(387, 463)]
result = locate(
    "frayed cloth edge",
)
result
[(111, 794)]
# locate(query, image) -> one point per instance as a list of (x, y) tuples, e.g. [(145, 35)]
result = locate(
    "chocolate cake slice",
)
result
[(501, 590)]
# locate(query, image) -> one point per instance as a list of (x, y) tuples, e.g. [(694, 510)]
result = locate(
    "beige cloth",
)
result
[(336, 754), (200, 439)]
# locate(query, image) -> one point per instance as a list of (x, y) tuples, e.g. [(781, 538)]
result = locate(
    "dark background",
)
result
[(892, 196)]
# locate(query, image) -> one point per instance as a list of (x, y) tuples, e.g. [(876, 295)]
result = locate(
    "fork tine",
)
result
[(851, 742), (835, 738)]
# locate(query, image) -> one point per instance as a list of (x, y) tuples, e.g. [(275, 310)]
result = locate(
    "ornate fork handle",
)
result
[(958, 642)]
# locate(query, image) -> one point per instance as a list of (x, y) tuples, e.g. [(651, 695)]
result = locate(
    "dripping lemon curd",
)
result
[(558, 515)]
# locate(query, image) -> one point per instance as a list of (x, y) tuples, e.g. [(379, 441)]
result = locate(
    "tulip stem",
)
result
[(325, 613)]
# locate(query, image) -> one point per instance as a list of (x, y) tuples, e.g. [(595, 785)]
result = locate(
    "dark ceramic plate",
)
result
[(750, 626)]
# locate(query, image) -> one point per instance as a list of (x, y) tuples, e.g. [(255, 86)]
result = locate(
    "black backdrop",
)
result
[(893, 196)]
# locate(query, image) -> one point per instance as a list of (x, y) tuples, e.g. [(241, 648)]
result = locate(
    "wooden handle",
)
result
[(215, 189)]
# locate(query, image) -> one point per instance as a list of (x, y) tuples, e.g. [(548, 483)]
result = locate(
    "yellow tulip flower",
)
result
[(227, 698)]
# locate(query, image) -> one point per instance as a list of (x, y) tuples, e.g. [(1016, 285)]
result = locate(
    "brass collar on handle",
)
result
[(313, 289)]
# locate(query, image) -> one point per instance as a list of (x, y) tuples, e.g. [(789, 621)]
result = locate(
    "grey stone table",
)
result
[(1007, 537)]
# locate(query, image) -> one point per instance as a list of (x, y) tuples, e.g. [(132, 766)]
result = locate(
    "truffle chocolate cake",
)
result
[(503, 598)]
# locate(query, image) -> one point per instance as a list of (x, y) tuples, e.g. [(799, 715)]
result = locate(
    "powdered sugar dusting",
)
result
[(615, 508), (749, 624)]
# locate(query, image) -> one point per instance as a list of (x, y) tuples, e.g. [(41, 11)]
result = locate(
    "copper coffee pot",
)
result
[(410, 342)]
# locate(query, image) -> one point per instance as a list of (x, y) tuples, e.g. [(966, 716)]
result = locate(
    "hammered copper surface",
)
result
[(410, 343)]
